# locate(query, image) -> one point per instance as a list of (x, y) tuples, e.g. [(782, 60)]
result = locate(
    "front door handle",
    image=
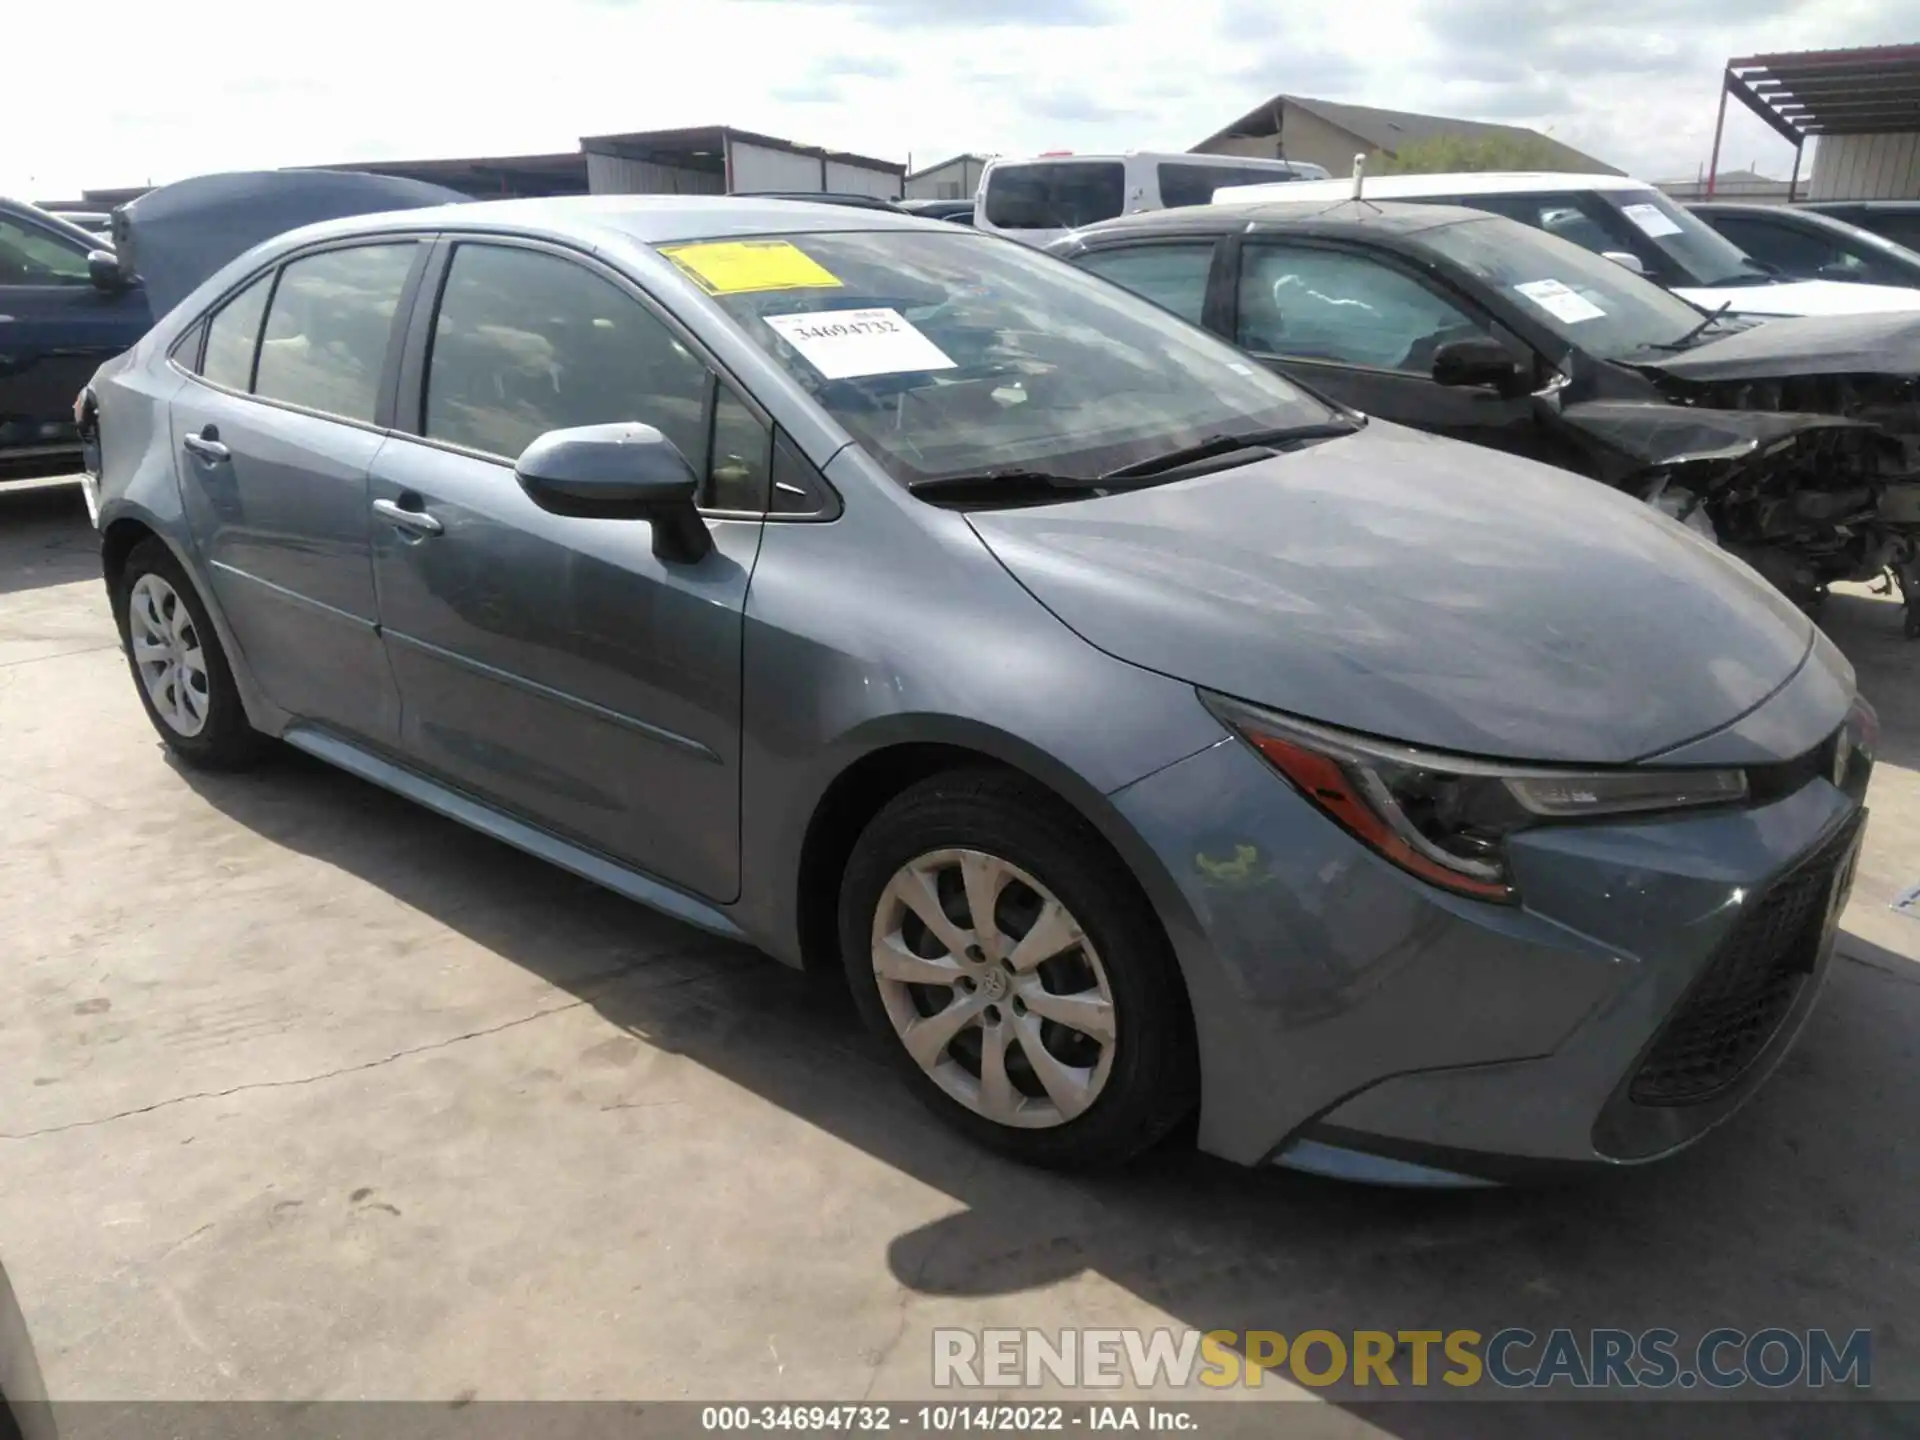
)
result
[(207, 446), (416, 521)]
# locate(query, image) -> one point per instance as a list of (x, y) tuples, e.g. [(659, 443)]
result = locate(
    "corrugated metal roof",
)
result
[(1870, 90)]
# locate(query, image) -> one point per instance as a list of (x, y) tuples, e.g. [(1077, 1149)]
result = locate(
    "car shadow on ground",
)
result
[(1797, 1213), (44, 536)]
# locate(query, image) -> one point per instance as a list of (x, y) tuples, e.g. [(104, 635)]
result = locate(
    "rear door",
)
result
[(56, 329), (1359, 326), (555, 665), (273, 443)]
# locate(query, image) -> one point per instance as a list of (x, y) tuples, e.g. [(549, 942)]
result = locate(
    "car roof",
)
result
[(1171, 156), (649, 219), (1344, 216), (1476, 182)]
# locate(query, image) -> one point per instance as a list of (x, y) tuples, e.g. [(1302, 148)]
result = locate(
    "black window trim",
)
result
[(382, 422), (1426, 276), (410, 377)]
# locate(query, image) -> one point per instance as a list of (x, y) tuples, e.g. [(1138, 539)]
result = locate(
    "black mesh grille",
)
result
[(1743, 995)]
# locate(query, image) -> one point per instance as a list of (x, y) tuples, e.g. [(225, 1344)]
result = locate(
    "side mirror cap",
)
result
[(103, 269), (619, 472), (1479, 361), (1625, 259)]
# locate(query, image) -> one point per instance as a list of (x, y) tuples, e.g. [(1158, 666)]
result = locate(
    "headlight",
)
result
[(1445, 818)]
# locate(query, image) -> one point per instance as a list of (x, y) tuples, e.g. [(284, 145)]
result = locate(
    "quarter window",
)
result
[(1332, 305), (1174, 277), (232, 336), (30, 256), (325, 344), (526, 342)]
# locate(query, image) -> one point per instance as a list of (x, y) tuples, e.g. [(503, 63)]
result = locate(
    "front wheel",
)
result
[(1019, 977)]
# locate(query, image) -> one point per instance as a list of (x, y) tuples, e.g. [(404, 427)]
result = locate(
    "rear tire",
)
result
[(179, 669), (1056, 1032)]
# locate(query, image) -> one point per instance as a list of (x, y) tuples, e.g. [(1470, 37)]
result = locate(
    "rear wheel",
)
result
[(1021, 980), (178, 666)]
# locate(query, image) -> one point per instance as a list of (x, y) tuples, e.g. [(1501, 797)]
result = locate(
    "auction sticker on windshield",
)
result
[(740, 267), (1651, 219), (1561, 301), (846, 344)]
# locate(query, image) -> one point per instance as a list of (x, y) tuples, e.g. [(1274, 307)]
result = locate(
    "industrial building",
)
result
[(1860, 107), (955, 179), (1325, 132), (705, 160)]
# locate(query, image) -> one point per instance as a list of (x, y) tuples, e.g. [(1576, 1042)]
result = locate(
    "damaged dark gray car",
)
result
[(1794, 444)]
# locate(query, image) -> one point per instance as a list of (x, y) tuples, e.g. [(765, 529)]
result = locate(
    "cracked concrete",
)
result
[(309, 1094)]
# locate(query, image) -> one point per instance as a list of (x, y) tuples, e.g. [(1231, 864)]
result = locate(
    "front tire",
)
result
[(1016, 973), (179, 668)]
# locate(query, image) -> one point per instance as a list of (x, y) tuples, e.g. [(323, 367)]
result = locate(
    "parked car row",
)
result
[(1150, 735)]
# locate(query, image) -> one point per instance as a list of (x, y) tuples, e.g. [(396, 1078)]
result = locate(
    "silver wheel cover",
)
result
[(993, 988), (167, 653)]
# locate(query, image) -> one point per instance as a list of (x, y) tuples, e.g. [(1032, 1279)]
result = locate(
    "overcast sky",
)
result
[(122, 92)]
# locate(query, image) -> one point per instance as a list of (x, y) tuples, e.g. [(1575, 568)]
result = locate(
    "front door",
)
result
[(1360, 329), (273, 446), (551, 664)]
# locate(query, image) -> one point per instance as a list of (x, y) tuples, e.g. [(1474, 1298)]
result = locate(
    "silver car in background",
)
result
[(1143, 734)]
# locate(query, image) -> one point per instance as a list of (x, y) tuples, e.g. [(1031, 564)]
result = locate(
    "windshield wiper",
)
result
[(1695, 333), (1163, 467), (1011, 486)]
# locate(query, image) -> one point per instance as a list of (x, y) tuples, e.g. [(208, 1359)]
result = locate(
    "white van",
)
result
[(1039, 200), (1626, 220)]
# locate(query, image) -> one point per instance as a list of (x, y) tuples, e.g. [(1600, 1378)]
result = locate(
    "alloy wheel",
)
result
[(168, 655), (993, 988)]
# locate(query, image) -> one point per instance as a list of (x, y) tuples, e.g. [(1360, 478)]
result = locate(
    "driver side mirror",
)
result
[(1479, 361), (619, 472), (103, 269), (1625, 259)]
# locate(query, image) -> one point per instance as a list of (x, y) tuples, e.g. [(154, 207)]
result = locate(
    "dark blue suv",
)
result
[(61, 316)]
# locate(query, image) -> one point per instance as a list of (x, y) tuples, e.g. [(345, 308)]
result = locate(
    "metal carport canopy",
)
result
[(1867, 91)]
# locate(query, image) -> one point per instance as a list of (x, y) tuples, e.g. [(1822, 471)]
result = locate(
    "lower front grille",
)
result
[(1739, 1001)]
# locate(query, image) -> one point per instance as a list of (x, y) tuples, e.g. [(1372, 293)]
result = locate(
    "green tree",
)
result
[(1446, 154)]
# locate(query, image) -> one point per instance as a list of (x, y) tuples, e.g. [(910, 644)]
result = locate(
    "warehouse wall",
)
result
[(759, 167), (1866, 167), (850, 179), (615, 175), (957, 181)]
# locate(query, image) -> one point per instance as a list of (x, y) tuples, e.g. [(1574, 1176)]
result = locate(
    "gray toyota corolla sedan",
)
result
[(1145, 735)]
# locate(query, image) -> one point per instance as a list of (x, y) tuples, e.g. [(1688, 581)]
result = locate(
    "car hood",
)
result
[(176, 236), (1646, 432), (1803, 297), (1783, 349), (1420, 589)]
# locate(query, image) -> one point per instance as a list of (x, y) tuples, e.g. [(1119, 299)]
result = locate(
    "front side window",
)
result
[(1587, 301), (32, 256), (232, 335), (951, 353), (1055, 195), (325, 343), (526, 342), (1174, 277), (1314, 304)]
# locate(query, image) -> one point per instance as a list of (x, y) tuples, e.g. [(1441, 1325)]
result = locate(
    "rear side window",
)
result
[(1055, 196), (1187, 184), (325, 343), (527, 342), (234, 332), (1174, 277)]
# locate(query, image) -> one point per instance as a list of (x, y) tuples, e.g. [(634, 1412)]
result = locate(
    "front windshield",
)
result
[(1589, 302), (949, 354), (1701, 253)]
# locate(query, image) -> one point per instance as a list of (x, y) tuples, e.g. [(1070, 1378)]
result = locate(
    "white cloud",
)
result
[(196, 85)]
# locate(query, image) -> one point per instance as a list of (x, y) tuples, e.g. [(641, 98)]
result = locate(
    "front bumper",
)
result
[(1355, 1021)]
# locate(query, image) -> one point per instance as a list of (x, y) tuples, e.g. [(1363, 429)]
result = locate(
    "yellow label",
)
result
[(737, 267)]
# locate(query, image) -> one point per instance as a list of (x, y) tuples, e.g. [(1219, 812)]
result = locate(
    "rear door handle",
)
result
[(206, 447), (416, 521)]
